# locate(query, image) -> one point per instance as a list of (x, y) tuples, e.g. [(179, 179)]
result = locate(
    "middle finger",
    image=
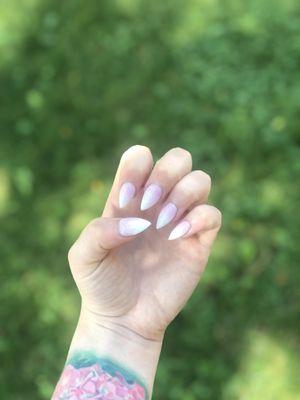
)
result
[(167, 171)]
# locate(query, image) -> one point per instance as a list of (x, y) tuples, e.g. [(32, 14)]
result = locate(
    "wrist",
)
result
[(119, 326), (108, 339)]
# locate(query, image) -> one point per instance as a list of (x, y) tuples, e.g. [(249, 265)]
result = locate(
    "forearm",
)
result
[(109, 362)]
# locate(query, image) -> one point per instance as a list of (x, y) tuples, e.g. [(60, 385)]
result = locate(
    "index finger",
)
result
[(134, 169)]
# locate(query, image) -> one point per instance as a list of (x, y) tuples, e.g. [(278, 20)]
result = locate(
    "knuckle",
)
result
[(146, 154), (217, 216), (143, 148), (72, 253), (88, 232), (174, 162), (205, 176), (138, 148), (162, 169), (188, 189), (198, 185), (93, 223), (92, 227), (211, 216), (183, 153)]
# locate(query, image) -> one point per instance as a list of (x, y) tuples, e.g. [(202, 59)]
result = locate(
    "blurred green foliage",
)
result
[(80, 82)]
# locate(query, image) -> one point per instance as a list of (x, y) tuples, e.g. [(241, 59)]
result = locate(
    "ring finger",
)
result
[(174, 165), (190, 190)]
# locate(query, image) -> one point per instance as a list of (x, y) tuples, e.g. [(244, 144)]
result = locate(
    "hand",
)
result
[(130, 276)]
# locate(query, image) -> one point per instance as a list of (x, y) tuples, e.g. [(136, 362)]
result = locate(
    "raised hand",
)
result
[(137, 265)]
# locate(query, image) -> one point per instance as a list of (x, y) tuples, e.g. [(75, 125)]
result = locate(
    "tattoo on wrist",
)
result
[(87, 376)]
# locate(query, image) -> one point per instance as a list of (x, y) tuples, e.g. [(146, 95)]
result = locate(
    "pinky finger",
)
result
[(203, 220)]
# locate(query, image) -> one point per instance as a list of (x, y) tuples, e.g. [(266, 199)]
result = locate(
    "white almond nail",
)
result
[(132, 226), (151, 196), (127, 193), (166, 215), (181, 229)]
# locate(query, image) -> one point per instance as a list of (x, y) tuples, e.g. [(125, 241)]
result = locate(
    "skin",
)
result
[(133, 287)]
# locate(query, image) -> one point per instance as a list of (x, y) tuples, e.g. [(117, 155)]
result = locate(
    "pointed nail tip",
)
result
[(171, 238), (146, 226), (123, 204), (133, 226), (160, 225), (144, 207), (146, 222)]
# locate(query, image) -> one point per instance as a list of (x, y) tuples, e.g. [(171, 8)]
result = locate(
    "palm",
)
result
[(145, 282)]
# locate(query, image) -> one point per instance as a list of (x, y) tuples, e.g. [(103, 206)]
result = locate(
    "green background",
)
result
[(80, 81)]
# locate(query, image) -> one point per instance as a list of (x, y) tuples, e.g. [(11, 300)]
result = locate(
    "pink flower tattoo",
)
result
[(88, 377)]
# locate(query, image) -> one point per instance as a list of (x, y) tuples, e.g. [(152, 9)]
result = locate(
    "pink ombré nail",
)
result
[(127, 192), (166, 215), (132, 226), (151, 196), (180, 230)]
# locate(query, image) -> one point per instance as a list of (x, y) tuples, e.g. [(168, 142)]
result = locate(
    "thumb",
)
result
[(100, 236)]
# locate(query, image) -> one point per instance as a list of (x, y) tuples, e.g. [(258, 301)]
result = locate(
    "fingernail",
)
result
[(127, 192), (151, 196), (181, 229), (166, 215), (132, 226)]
